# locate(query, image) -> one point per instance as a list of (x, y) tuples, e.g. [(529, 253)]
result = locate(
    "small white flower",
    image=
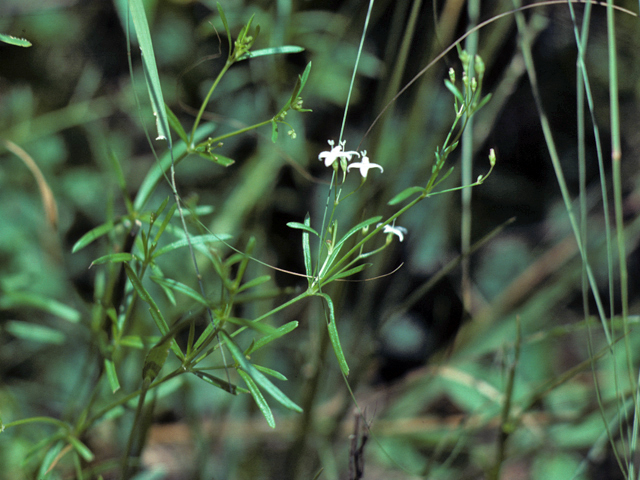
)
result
[(336, 152), (365, 165), (399, 231)]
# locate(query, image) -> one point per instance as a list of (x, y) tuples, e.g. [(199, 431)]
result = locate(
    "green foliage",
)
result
[(156, 285)]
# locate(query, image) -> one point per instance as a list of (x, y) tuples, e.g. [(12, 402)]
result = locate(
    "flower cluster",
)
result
[(338, 153)]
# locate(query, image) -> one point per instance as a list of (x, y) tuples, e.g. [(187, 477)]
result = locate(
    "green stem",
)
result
[(206, 100)]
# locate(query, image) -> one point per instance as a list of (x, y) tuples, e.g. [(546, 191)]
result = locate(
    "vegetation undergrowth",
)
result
[(305, 289)]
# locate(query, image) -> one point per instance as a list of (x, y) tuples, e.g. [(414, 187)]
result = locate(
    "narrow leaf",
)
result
[(195, 241), (176, 125), (333, 335), (113, 258), (92, 235), (304, 226), (156, 358), (271, 372), (306, 248), (271, 51), (453, 89), (226, 26), (34, 332), (34, 300), (218, 382), (258, 398), (81, 448), (280, 331), (18, 42), (180, 288), (348, 273), (406, 193), (150, 69), (112, 375), (258, 377), (254, 283)]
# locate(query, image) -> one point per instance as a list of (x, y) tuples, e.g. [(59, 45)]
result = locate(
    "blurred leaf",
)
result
[(196, 240), (112, 375), (259, 399), (279, 332), (181, 288), (349, 272), (18, 42), (304, 226), (113, 258), (156, 358), (34, 300), (153, 307), (333, 335), (93, 234), (216, 158), (306, 248), (336, 248), (271, 372), (35, 332), (150, 69), (81, 448), (226, 26), (258, 377), (254, 283), (226, 386), (406, 193), (271, 51), (176, 125)]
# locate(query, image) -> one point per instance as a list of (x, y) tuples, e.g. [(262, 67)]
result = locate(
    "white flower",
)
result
[(399, 231), (335, 153), (365, 165)]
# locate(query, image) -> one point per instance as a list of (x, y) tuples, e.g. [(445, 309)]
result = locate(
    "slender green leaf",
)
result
[(258, 398), (176, 125), (150, 69), (271, 372), (204, 336), (195, 241), (279, 332), (18, 42), (156, 358), (113, 258), (406, 193), (301, 226), (216, 158), (271, 51), (254, 283), (336, 248), (333, 335), (349, 272), (482, 103), (50, 457), (226, 26), (165, 222), (257, 326), (258, 377), (453, 89), (218, 382), (92, 235), (133, 341), (34, 332), (306, 248), (274, 131), (153, 307), (35, 300), (180, 288), (112, 375), (81, 448)]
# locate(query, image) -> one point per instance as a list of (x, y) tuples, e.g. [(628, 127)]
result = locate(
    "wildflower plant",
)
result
[(133, 273)]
